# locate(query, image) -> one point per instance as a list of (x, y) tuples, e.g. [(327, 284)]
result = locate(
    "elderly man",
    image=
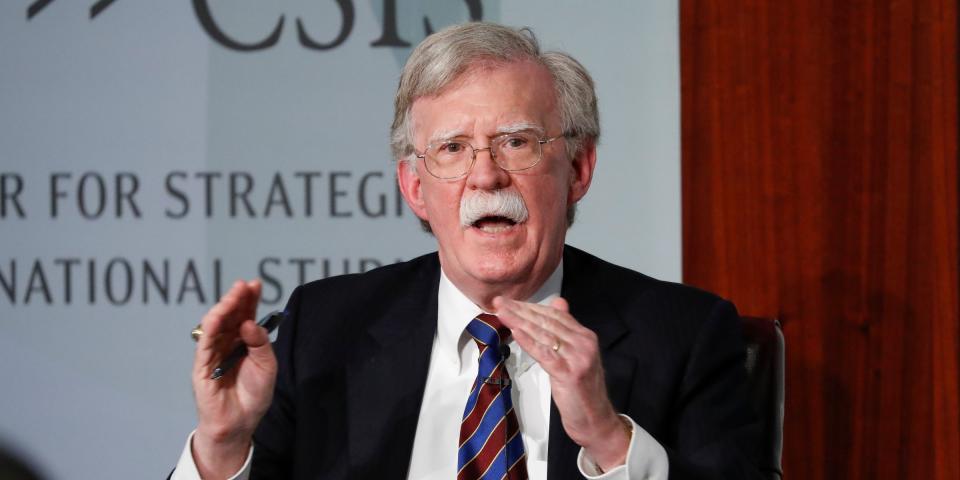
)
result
[(505, 354)]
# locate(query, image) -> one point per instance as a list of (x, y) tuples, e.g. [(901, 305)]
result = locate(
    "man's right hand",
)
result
[(230, 407)]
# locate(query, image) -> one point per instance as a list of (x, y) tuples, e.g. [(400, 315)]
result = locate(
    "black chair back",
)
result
[(766, 371)]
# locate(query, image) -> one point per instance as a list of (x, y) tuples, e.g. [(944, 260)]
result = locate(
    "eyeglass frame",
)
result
[(473, 155)]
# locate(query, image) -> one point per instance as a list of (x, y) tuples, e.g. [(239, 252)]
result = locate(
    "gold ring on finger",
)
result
[(556, 346), (196, 333)]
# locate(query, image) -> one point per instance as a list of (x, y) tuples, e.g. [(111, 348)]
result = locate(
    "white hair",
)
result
[(442, 57)]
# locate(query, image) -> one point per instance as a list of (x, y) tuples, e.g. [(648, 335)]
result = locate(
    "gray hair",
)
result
[(442, 57)]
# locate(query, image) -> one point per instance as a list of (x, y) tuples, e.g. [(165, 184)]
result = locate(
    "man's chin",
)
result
[(493, 276), (496, 266)]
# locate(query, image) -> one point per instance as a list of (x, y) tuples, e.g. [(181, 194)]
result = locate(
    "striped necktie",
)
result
[(490, 443)]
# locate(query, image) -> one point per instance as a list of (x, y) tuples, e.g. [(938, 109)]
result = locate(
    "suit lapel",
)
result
[(386, 379), (583, 290)]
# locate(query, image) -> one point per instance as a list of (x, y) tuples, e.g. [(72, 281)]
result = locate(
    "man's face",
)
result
[(494, 255)]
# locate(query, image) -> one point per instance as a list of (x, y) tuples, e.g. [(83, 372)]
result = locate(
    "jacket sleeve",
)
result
[(715, 432)]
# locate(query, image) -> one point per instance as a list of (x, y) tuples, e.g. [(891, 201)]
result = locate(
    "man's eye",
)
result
[(516, 142), (451, 148)]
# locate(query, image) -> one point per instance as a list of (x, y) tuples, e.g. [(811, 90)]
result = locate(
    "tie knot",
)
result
[(488, 330)]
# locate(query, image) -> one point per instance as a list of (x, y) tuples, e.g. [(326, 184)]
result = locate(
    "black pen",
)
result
[(270, 322)]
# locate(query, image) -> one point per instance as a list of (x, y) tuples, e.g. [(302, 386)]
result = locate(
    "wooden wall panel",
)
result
[(819, 147)]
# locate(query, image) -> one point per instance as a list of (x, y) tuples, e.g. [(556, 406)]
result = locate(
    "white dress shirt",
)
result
[(452, 370)]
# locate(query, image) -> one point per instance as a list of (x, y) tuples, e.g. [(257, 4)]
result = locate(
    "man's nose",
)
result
[(486, 174)]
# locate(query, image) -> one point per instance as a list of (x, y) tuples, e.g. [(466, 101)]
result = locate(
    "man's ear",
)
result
[(408, 179), (582, 168)]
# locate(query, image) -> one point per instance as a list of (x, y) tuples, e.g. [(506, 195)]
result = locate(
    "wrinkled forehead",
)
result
[(489, 99)]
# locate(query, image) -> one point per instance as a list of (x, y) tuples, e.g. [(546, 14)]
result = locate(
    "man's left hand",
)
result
[(570, 354)]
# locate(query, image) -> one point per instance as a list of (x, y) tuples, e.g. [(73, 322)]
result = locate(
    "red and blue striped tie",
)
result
[(490, 443)]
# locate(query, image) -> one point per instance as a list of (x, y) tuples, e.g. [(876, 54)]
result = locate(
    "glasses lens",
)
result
[(517, 151), (449, 159)]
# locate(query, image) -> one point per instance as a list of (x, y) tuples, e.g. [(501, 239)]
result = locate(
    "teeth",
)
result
[(494, 228), (493, 225)]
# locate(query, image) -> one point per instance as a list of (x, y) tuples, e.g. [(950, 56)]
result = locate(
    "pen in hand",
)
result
[(270, 322)]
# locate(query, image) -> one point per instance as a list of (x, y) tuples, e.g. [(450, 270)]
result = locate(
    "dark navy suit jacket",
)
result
[(354, 354)]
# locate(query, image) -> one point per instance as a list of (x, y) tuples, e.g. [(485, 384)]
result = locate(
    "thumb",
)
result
[(256, 339)]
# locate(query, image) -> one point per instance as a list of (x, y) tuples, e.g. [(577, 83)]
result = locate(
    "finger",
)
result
[(221, 327), (518, 324), (250, 300), (548, 316), (544, 355), (223, 315), (213, 323), (258, 354), (256, 287), (558, 311), (538, 321), (541, 349), (238, 305), (560, 303), (575, 344)]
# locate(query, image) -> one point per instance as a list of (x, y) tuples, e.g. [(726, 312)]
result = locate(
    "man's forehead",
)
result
[(524, 89), (481, 70)]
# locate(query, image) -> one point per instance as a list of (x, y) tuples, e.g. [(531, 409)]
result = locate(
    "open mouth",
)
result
[(493, 224)]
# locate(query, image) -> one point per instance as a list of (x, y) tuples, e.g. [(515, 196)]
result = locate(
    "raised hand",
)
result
[(570, 354), (229, 408)]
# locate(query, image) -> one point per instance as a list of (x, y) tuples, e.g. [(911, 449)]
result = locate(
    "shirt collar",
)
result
[(455, 311)]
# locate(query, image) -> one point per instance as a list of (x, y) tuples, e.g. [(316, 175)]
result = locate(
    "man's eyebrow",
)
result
[(443, 136), (520, 127)]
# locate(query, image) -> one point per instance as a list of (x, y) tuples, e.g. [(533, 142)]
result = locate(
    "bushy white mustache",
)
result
[(498, 203)]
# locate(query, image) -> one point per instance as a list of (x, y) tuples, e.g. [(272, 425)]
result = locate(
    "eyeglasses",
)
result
[(512, 152)]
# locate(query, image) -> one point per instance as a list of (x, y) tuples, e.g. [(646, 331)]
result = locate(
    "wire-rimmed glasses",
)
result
[(513, 152)]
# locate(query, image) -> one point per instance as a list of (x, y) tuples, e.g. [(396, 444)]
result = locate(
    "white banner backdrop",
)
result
[(153, 152)]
